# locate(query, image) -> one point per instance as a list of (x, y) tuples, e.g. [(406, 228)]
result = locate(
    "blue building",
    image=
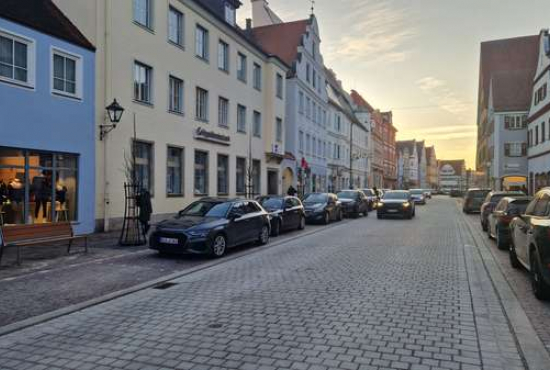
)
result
[(47, 135)]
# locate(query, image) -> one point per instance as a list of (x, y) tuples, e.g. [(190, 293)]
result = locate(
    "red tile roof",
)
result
[(281, 39), (512, 90), (43, 16), (360, 101)]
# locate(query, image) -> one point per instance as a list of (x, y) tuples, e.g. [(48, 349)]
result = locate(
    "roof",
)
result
[(512, 90), (518, 53), (360, 102), (43, 16), (281, 39), (400, 146), (340, 97)]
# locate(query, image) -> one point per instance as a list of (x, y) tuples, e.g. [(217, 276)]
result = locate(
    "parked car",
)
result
[(287, 213), (418, 196), (354, 203), (491, 200), (372, 198), (211, 226), (530, 245), (504, 213), (455, 193), (473, 200), (396, 203), (322, 207)]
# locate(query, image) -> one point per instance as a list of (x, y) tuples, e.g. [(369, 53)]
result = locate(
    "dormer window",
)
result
[(230, 14)]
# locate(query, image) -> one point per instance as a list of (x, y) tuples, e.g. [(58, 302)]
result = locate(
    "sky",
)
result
[(418, 58)]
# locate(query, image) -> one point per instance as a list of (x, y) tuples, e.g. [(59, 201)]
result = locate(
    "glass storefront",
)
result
[(37, 186)]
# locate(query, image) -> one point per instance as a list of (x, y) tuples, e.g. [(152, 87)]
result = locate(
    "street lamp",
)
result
[(114, 111)]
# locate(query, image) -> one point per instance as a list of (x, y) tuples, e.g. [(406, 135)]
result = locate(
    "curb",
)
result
[(534, 352), (20, 325)]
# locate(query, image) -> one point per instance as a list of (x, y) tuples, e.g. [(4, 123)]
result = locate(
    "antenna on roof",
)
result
[(312, 7)]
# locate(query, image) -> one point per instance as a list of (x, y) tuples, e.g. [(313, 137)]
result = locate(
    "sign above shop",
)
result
[(211, 136)]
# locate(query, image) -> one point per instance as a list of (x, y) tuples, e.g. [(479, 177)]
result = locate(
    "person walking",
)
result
[(291, 191)]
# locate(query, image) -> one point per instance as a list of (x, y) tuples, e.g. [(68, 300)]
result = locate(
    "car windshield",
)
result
[(478, 194), (368, 192), (417, 191), (519, 205), (273, 203), (396, 195), (497, 197), (316, 198), (206, 209), (347, 195)]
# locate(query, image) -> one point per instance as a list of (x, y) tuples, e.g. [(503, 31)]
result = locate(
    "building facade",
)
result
[(390, 157), (204, 104), (407, 164), (432, 169), (305, 166), (539, 119), (422, 164), (47, 152), (452, 175)]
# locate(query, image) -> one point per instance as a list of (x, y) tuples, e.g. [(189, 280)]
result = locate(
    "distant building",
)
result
[(452, 175), (390, 157), (432, 169), (539, 119), (407, 164), (506, 67), (422, 164)]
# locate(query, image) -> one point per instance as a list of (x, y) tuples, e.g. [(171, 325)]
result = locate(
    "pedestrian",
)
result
[(291, 191), (145, 210)]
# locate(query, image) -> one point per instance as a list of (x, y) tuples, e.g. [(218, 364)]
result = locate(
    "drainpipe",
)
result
[(107, 80)]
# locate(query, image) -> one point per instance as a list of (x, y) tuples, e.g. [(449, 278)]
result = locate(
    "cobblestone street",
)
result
[(366, 294)]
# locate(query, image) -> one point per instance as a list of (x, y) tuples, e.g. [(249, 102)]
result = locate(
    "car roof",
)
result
[(513, 199)]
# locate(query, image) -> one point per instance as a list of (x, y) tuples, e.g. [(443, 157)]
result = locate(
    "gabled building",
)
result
[(452, 175), (431, 162), (298, 45), (422, 164), (47, 118), (407, 164), (539, 119), (390, 157)]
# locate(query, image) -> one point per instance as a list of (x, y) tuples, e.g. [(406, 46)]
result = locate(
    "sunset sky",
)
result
[(418, 58)]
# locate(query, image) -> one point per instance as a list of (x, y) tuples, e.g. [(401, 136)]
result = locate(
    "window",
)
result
[(314, 147), (314, 78), (176, 95), (517, 149), (241, 176), (175, 26), (301, 141), (223, 56), (279, 86), (540, 94), (142, 12), (308, 144), (174, 171), (308, 73), (202, 105), (223, 174), (241, 118), (241, 67), (257, 77), (256, 177), (515, 122), (542, 132), (257, 128), (201, 42), (201, 172), (143, 76), (143, 153), (65, 73), (536, 135), (279, 130), (301, 102), (314, 108), (308, 107), (230, 14), (14, 59), (223, 112)]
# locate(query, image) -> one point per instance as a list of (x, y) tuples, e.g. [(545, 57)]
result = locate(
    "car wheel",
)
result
[(540, 288), (264, 235), (488, 229), (379, 216), (326, 219), (276, 229), (484, 226), (514, 262), (340, 215), (366, 213), (302, 224), (219, 246), (500, 241)]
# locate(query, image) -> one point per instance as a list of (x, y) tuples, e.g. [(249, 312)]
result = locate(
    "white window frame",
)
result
[(204, 52), (241, 118), (181, 97), (257, 124), (279, 82), (31, 59), (230, 14), (223, 59), (150, 87), (181, 28), (79, 74), (149, 15), (242, 68), (279, 129), (257, 76), (223, 115), (202, 107)]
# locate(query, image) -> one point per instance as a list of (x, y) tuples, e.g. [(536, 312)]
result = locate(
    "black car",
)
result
[(504, 213), (490, 202), (396, 203), (354, 203), (287, 213), (473, 200), (530, 245), (210, 226), (322, 207)]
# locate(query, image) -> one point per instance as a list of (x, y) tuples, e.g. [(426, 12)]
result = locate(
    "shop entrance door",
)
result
[(272, 182)]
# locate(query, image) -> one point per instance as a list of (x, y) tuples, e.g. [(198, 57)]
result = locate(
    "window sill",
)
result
[(223, 194), (179, 46), (201, 195), (226, 71), (205, 60), (177, 113), (225, 127), (203, 120), (241, 132), (241, 80), (175, 195), (16, 83), (67, 96), (144, 27), (144, 103), (258, 89), (257, 136)]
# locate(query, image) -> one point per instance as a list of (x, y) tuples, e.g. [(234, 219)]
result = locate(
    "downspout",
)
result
[(107, 80)]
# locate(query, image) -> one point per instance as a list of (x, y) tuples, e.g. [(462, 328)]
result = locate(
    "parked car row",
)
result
[(521, 225), (213, 225)]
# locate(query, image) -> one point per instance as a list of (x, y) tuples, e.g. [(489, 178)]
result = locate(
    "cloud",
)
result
[(440, 94), (374, 33), (429, 83)]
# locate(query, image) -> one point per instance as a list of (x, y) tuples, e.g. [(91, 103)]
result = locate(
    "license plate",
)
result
[(169, 240), (393, 210)]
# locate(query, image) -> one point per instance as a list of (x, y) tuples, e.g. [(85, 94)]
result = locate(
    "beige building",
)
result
[(208, 104)]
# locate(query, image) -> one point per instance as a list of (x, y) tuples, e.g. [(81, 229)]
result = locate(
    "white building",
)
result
[(539, 120), (407, 164), (298, 45), (207, 102)]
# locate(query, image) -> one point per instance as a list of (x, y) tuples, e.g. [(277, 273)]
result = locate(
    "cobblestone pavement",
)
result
[(537, 311), (369, 294)]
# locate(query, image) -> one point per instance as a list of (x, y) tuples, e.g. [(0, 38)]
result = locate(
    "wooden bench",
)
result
[(25, 235)]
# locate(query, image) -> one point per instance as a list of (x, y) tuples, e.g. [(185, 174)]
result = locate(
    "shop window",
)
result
[(223, 174), (143, 153), (174, 172), (241, 176), (256, 177), (201, 172), (37, 187)]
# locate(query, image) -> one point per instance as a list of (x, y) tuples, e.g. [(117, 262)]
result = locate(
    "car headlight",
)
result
[(198, 233), (406, 205)]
